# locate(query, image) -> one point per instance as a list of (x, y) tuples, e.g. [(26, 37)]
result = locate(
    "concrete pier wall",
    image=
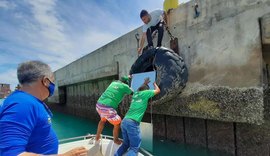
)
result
[(224, 104)]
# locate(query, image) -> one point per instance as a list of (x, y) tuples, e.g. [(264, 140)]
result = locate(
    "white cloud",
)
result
[(49, 37), (45, 36), (9, 77), (3, 4), (93, 40), (51, 27), (61, 47), (7, 4)]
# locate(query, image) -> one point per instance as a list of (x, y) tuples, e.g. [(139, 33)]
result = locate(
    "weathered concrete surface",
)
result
[(222, 50), (220, 136), (175, 129), (253, 140), (196, 135), (159, 126), (219, 46), (220, 103), (239, 139), (265, 27)]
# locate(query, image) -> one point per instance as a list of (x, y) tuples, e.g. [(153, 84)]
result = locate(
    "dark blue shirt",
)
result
[(25, 126)]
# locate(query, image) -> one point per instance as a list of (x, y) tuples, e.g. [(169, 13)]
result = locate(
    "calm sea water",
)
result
[(67, 126), (1, 101)]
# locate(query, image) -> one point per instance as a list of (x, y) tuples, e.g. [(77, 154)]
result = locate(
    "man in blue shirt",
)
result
[(25, 120)]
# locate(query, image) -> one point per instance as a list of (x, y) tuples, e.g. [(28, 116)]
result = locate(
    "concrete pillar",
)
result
[(220, 136), (253, 139), (175, 129), (159, 126), (265, 28), (195, 131)]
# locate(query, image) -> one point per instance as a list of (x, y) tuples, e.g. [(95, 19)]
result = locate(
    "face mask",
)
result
[(51, 88)]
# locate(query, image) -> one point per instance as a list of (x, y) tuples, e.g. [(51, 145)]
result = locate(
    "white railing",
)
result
[(92, 136)]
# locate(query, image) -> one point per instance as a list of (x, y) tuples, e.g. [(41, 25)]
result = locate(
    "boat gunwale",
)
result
[(92, 136)]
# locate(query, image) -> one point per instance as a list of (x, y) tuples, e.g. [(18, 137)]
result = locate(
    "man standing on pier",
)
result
[(152, 21), (107, 104)]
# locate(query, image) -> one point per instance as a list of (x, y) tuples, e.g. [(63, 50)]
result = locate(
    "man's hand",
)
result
[(157, 90), (166, 27), (139, 51), (141, 44), (79, 151), (147, 80)]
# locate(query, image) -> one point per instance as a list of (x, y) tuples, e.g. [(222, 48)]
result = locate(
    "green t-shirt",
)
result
[(114, 94), (139, 104)]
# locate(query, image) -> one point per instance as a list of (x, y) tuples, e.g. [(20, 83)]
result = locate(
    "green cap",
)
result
[(125, 79)]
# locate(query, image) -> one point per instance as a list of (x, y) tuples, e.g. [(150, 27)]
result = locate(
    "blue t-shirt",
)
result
[(25, 126)]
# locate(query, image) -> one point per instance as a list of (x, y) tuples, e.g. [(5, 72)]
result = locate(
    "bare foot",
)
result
[(117, 141)]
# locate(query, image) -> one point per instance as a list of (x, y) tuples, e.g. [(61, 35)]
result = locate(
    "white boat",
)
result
[(104, 147)]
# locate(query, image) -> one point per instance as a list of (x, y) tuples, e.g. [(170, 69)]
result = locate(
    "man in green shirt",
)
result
[(107, 104), (130, 125)]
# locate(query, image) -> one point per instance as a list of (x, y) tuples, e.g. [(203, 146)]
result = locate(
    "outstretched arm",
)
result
[(141, 43), (165, 18), (157, 90), (147, 80)]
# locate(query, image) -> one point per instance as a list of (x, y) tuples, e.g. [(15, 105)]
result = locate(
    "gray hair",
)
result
[(31, 71)]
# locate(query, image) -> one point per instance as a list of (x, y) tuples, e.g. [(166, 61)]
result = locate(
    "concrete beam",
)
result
[(101, 72), (221, 136), (265, 28), (196, 135)]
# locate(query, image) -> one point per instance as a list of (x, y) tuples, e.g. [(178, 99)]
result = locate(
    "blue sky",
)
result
[(61, 31), (138, 80)]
